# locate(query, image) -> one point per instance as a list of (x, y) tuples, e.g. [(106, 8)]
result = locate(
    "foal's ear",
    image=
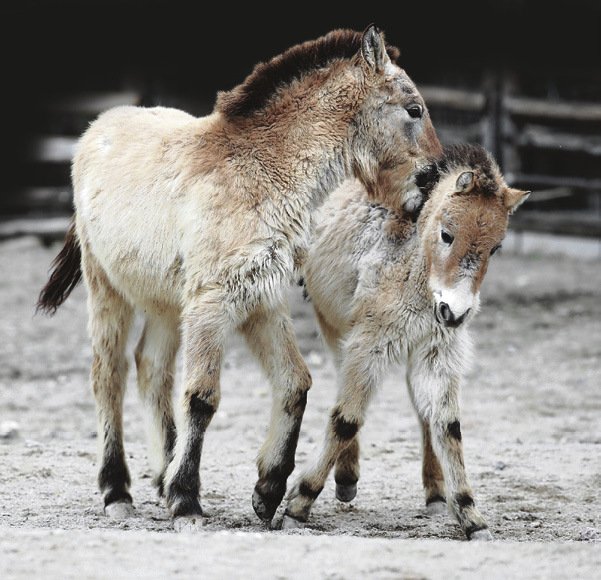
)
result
[(373, 48), (513, 198), (465, 182)]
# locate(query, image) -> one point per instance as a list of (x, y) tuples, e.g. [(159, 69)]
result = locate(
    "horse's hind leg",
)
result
[(270, 335), (205, 325), (432, 476), (109, 322), (155, 362)]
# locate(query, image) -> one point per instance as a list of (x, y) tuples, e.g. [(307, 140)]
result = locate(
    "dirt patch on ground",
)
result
[(531, 426)]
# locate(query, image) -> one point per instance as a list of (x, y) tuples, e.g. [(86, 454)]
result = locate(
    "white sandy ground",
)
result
[(531, 426)]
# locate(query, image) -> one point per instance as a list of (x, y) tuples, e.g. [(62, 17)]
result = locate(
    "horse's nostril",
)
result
[(445, 312)]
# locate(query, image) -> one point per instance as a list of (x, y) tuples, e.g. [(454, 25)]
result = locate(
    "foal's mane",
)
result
[(462, 156), (267, 77)]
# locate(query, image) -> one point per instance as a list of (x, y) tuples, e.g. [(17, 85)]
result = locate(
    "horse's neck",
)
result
[(307, 133), (329, 172), (305, 161)]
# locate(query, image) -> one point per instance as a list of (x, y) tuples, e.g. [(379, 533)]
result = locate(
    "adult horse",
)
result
[(201, 223)]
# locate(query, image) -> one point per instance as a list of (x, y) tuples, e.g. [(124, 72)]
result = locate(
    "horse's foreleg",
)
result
[(270, 335), (109, 322), (360, 374), (155, 362), (204, 328), (436, 400)]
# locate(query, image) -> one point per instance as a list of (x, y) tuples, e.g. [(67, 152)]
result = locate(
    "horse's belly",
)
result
[(139, 256)]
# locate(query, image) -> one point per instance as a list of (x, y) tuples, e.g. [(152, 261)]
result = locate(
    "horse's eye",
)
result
[(415, 111), (497, 247), (446, 237)]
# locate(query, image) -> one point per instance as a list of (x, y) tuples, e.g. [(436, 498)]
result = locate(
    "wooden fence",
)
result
[(551, 147)]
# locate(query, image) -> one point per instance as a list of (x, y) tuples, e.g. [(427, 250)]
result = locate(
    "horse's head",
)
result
[(461, 226), (392, 133)]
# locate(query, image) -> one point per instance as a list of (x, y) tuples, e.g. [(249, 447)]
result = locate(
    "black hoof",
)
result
[(346, 492), (268, 495), (185, 506), (264, 508), (117, 494)]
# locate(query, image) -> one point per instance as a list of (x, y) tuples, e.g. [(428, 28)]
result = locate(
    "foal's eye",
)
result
[(415, 111), (497, 247), (446, 237)]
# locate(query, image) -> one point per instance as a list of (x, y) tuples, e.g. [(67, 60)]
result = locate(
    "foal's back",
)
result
[(365, 240)]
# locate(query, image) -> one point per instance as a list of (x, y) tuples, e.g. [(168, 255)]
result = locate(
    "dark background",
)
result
[(53, 46), (180, 53)]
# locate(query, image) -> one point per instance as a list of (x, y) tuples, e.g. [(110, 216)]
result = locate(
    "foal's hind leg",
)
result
[(432, 476), (360, 375), (155, 362), (270, 335), (109, 322), (346, 473)]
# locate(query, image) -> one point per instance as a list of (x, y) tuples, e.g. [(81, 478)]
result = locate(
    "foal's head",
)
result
[(462, 225)]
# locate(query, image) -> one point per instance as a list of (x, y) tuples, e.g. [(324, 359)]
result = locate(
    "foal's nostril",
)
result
[(445, 312), (460, 320)]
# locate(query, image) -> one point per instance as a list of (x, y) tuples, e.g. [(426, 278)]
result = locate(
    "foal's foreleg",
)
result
[(155, 362), (360, 374), (436, 398), (109, 322), (270, 335), (204, 328)]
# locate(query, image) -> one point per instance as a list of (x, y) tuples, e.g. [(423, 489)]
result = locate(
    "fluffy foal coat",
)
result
[(201, 223), (387, 289)]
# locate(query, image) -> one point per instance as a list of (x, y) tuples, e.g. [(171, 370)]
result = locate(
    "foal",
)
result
[(201, 223), (386, 289)]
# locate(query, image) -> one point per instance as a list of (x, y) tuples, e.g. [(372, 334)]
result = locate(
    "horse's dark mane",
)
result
[(267, 77), (468, 155)]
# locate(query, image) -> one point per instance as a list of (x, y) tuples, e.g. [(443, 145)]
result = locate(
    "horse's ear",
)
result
[(465, 182), (373, 48), (513, 198)]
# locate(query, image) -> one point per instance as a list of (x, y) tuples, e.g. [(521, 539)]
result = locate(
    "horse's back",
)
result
[(126, 172), (128, 136)]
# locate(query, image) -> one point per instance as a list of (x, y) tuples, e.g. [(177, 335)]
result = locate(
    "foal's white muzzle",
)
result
[(454, 305)]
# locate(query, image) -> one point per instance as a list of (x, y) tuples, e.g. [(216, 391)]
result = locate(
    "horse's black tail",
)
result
[(65, 275)]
